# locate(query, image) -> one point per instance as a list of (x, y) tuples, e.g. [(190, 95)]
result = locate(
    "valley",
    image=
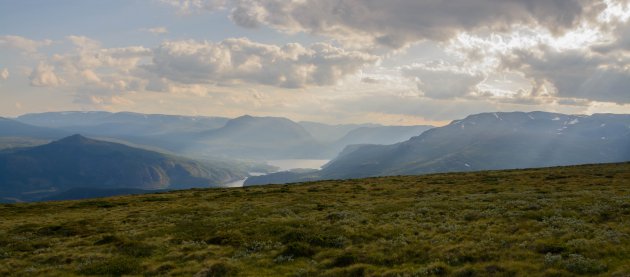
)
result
[(248, 150)]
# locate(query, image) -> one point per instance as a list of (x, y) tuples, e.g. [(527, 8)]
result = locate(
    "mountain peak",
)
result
[(245, 117), (75, 139)]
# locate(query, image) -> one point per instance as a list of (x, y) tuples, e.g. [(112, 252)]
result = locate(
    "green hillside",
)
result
[(562, 221)]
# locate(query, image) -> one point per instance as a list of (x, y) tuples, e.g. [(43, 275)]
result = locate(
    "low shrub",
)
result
[(218, 269), (115, 266), (299, 249)]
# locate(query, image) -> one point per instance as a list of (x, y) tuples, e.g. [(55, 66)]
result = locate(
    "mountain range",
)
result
[(483, 142), (245, 137), (32, 173), (137, 152)]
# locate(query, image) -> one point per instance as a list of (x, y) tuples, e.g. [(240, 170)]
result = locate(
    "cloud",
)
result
[(156, 30), (23, 44), (88, 61), (576, 73), (89, 54), (91, 100), (190, 6), (396, 23), (44, 76), (93, 74), (620, 41), (370, 80), (234, 61), (438, 80), (105, 77), (4, 74)]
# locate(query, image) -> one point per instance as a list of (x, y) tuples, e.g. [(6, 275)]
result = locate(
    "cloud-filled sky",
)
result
[(395, 62)]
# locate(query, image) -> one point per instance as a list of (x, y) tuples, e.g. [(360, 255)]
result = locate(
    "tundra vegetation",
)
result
[(561, 221)]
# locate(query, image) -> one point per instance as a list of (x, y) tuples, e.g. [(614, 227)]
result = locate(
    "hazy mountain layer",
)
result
[(103, 123), (489, 141), (169, 132), (13, 128), (244, 137), (331, 133)]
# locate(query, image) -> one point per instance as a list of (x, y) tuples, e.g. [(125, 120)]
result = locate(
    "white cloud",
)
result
[(156, 30), (44, 76), (4, 74), (240, 60), (441, 81), (189, 6), (93, 74), (103, 101), (89, 61), (23, 44)]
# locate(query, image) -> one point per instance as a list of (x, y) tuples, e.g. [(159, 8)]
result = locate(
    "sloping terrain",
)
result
[(76, 161), (259, 137), (562, 221), (489, 141), (13, 128)]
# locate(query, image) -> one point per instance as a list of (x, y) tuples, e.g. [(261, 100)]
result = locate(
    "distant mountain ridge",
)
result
[(76, 161), (488, 141), (329, 132), (168, 132), (379, 135), (258, 137), (14, 128), (153, 122), (245, 137)]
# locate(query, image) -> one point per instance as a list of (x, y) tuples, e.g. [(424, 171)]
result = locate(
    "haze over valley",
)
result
[(214, 151), (225, 150)]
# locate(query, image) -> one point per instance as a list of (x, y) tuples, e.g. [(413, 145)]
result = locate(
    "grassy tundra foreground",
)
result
[(560, 221)]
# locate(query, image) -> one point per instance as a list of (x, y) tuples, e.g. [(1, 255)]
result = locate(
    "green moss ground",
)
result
[(561, 221)]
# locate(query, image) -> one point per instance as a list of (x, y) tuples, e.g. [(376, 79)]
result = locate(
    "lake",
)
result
[(283, 165)]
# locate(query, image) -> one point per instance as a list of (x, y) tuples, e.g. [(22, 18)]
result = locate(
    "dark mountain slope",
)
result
[(496, 141), (77, 161), (378, 135)]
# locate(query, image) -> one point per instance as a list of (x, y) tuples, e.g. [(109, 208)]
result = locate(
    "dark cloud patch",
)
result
[(621, 42), (395, 23), (576, 73)]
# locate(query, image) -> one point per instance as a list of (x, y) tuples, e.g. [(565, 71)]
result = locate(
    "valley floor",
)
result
[(560, 221)]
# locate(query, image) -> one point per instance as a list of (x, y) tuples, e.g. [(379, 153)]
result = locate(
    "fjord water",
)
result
[(288, 164), (283, 165)]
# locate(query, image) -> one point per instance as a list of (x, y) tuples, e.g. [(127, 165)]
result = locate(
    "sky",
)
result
[(395, 62)]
